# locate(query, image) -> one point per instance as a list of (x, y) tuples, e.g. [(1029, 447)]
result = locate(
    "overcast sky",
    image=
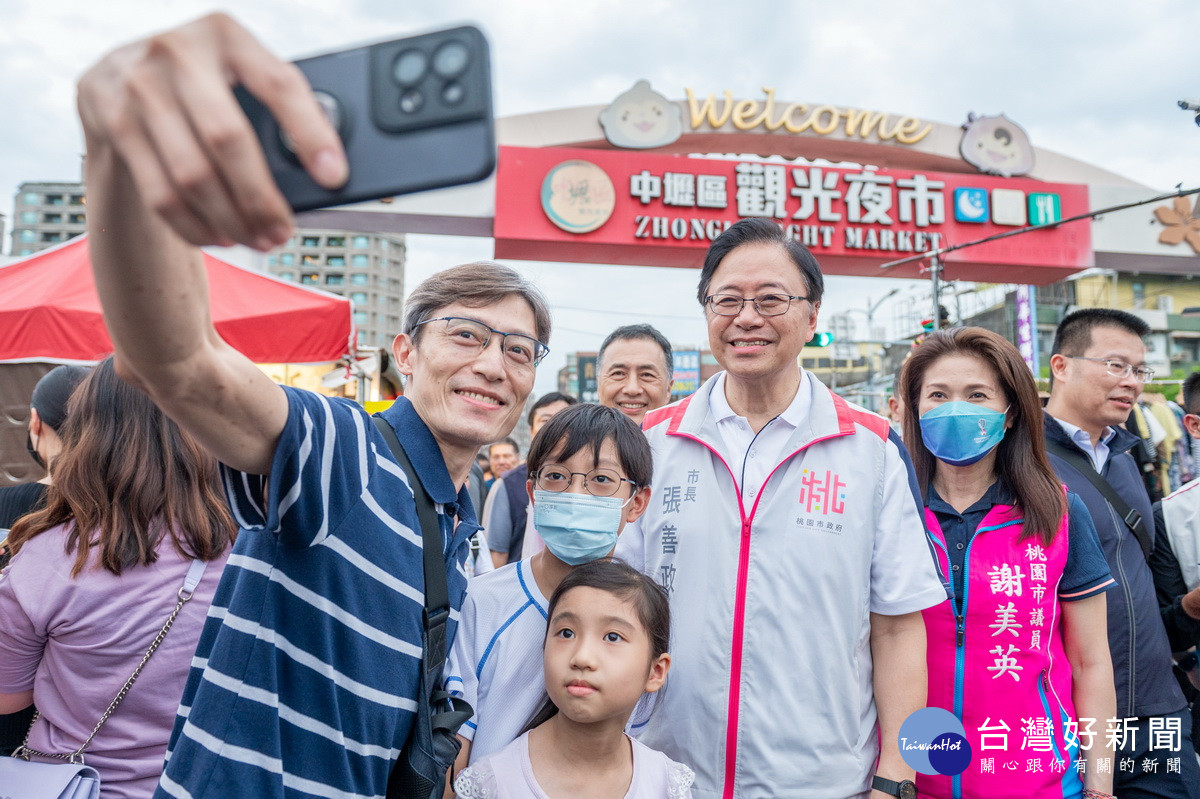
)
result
[(1097, 81)]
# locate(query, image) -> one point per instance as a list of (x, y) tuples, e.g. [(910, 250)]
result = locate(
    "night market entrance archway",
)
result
[(623, 183)]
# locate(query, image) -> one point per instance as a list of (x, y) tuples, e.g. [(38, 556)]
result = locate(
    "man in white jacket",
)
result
[(785, 525)]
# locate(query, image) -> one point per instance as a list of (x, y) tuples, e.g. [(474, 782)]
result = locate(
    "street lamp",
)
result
[(870, 313)]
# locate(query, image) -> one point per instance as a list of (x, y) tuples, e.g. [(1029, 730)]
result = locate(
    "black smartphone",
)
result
[(413, 114)]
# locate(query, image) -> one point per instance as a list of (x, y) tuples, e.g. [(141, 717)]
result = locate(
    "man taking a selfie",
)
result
[(305, 677)]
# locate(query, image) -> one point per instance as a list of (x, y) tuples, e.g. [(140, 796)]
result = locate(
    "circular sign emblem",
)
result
[(933, 741), (578, 196)]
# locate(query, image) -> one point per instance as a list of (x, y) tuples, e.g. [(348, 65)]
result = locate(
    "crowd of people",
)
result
[(745, 593)]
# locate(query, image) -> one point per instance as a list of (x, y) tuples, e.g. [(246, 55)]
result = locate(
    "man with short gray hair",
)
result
[(634, 369)]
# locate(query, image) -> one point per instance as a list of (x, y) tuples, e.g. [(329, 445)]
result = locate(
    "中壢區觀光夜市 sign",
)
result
[(599, 206)]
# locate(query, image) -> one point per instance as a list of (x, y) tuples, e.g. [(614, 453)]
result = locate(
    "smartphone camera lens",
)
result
[(409, 67), (411, 101), (453, 93), (451, 59)]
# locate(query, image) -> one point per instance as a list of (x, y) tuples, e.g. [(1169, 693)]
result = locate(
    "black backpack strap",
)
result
[(437, 593), (431, 747), (1133, 520)]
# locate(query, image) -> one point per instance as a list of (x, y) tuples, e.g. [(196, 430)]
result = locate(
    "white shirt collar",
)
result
[(1098, 454), (795, 413)]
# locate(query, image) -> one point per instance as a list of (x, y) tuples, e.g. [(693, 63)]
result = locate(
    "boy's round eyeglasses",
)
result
[(1117, 368), (765, 304), (598, 482), (517, 347)]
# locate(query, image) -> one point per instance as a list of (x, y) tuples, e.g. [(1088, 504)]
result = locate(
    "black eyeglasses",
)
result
[(517, 347), (765, 304), (598, 482)]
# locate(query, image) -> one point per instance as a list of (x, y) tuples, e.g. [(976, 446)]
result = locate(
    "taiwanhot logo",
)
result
[(933, 741)]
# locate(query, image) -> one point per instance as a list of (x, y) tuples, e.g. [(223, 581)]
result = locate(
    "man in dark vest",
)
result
[(1098, 368)]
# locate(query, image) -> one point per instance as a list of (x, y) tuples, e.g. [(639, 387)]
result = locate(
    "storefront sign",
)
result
[(1027, 327), (686, 367), (587, 378), (664, 210)]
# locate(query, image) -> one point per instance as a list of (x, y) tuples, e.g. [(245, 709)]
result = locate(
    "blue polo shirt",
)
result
[(1086, 572), (305, 675)]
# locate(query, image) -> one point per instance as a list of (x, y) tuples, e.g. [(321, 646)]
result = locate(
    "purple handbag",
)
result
[(22, 779)]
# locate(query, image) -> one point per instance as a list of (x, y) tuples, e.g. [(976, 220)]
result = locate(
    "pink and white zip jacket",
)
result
[(770, 692), (998, 663)]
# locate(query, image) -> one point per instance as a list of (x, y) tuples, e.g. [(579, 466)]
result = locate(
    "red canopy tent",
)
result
[(49, 311)]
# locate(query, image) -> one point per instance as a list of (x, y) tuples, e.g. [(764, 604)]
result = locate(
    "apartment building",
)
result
[(45, 214), (367, 268)]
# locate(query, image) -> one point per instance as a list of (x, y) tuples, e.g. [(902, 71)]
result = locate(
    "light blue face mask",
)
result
[(577, 528), (961, 433)]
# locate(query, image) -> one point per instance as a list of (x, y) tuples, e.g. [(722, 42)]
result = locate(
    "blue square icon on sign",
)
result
[(971, 205)]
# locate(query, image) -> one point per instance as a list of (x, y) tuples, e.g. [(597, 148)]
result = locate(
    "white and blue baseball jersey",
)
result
[(496, 661)]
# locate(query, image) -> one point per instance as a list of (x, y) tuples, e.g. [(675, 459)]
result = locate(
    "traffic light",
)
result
[(821, 340)]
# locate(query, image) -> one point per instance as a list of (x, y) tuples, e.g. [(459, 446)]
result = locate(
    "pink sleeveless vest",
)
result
[(1001, 668)]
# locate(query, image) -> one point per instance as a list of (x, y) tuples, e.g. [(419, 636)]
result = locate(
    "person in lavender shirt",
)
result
[(134, 507)]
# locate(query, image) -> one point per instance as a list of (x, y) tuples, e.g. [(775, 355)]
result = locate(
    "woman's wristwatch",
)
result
[(905, 790)]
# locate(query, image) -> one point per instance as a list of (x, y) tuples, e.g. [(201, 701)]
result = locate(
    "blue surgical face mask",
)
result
[(577, 528), (961, 433)]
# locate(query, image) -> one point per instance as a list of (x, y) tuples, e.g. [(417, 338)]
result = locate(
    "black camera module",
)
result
[(431, 80)]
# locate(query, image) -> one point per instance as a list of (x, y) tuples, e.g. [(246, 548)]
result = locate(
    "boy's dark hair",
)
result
[(761, 231), (587, 424), (508, 441), (1074, 333), (548, 399), (627, 583), (1191, 394), (635, 332)]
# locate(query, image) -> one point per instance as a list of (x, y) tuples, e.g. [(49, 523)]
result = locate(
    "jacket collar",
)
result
[(422, 449), (1121, 441), (828, 415)]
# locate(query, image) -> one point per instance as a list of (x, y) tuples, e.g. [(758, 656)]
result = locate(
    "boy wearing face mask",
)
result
[(590, 469)]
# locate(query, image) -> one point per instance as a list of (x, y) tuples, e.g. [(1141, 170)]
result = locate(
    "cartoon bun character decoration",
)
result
[(996, 145), (641, 119)]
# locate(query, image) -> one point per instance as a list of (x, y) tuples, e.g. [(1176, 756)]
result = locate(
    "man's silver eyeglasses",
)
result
[(1118, 368), (518, 348), (765, 304), (598, 482)]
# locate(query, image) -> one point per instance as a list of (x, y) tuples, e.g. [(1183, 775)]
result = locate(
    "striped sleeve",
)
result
[(325, 448), (1086, 573)]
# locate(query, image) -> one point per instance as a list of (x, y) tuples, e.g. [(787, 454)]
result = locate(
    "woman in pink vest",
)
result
[(1020, 654)]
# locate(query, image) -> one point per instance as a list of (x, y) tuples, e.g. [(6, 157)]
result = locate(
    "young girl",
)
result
[(606, 644), (589, 468)]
